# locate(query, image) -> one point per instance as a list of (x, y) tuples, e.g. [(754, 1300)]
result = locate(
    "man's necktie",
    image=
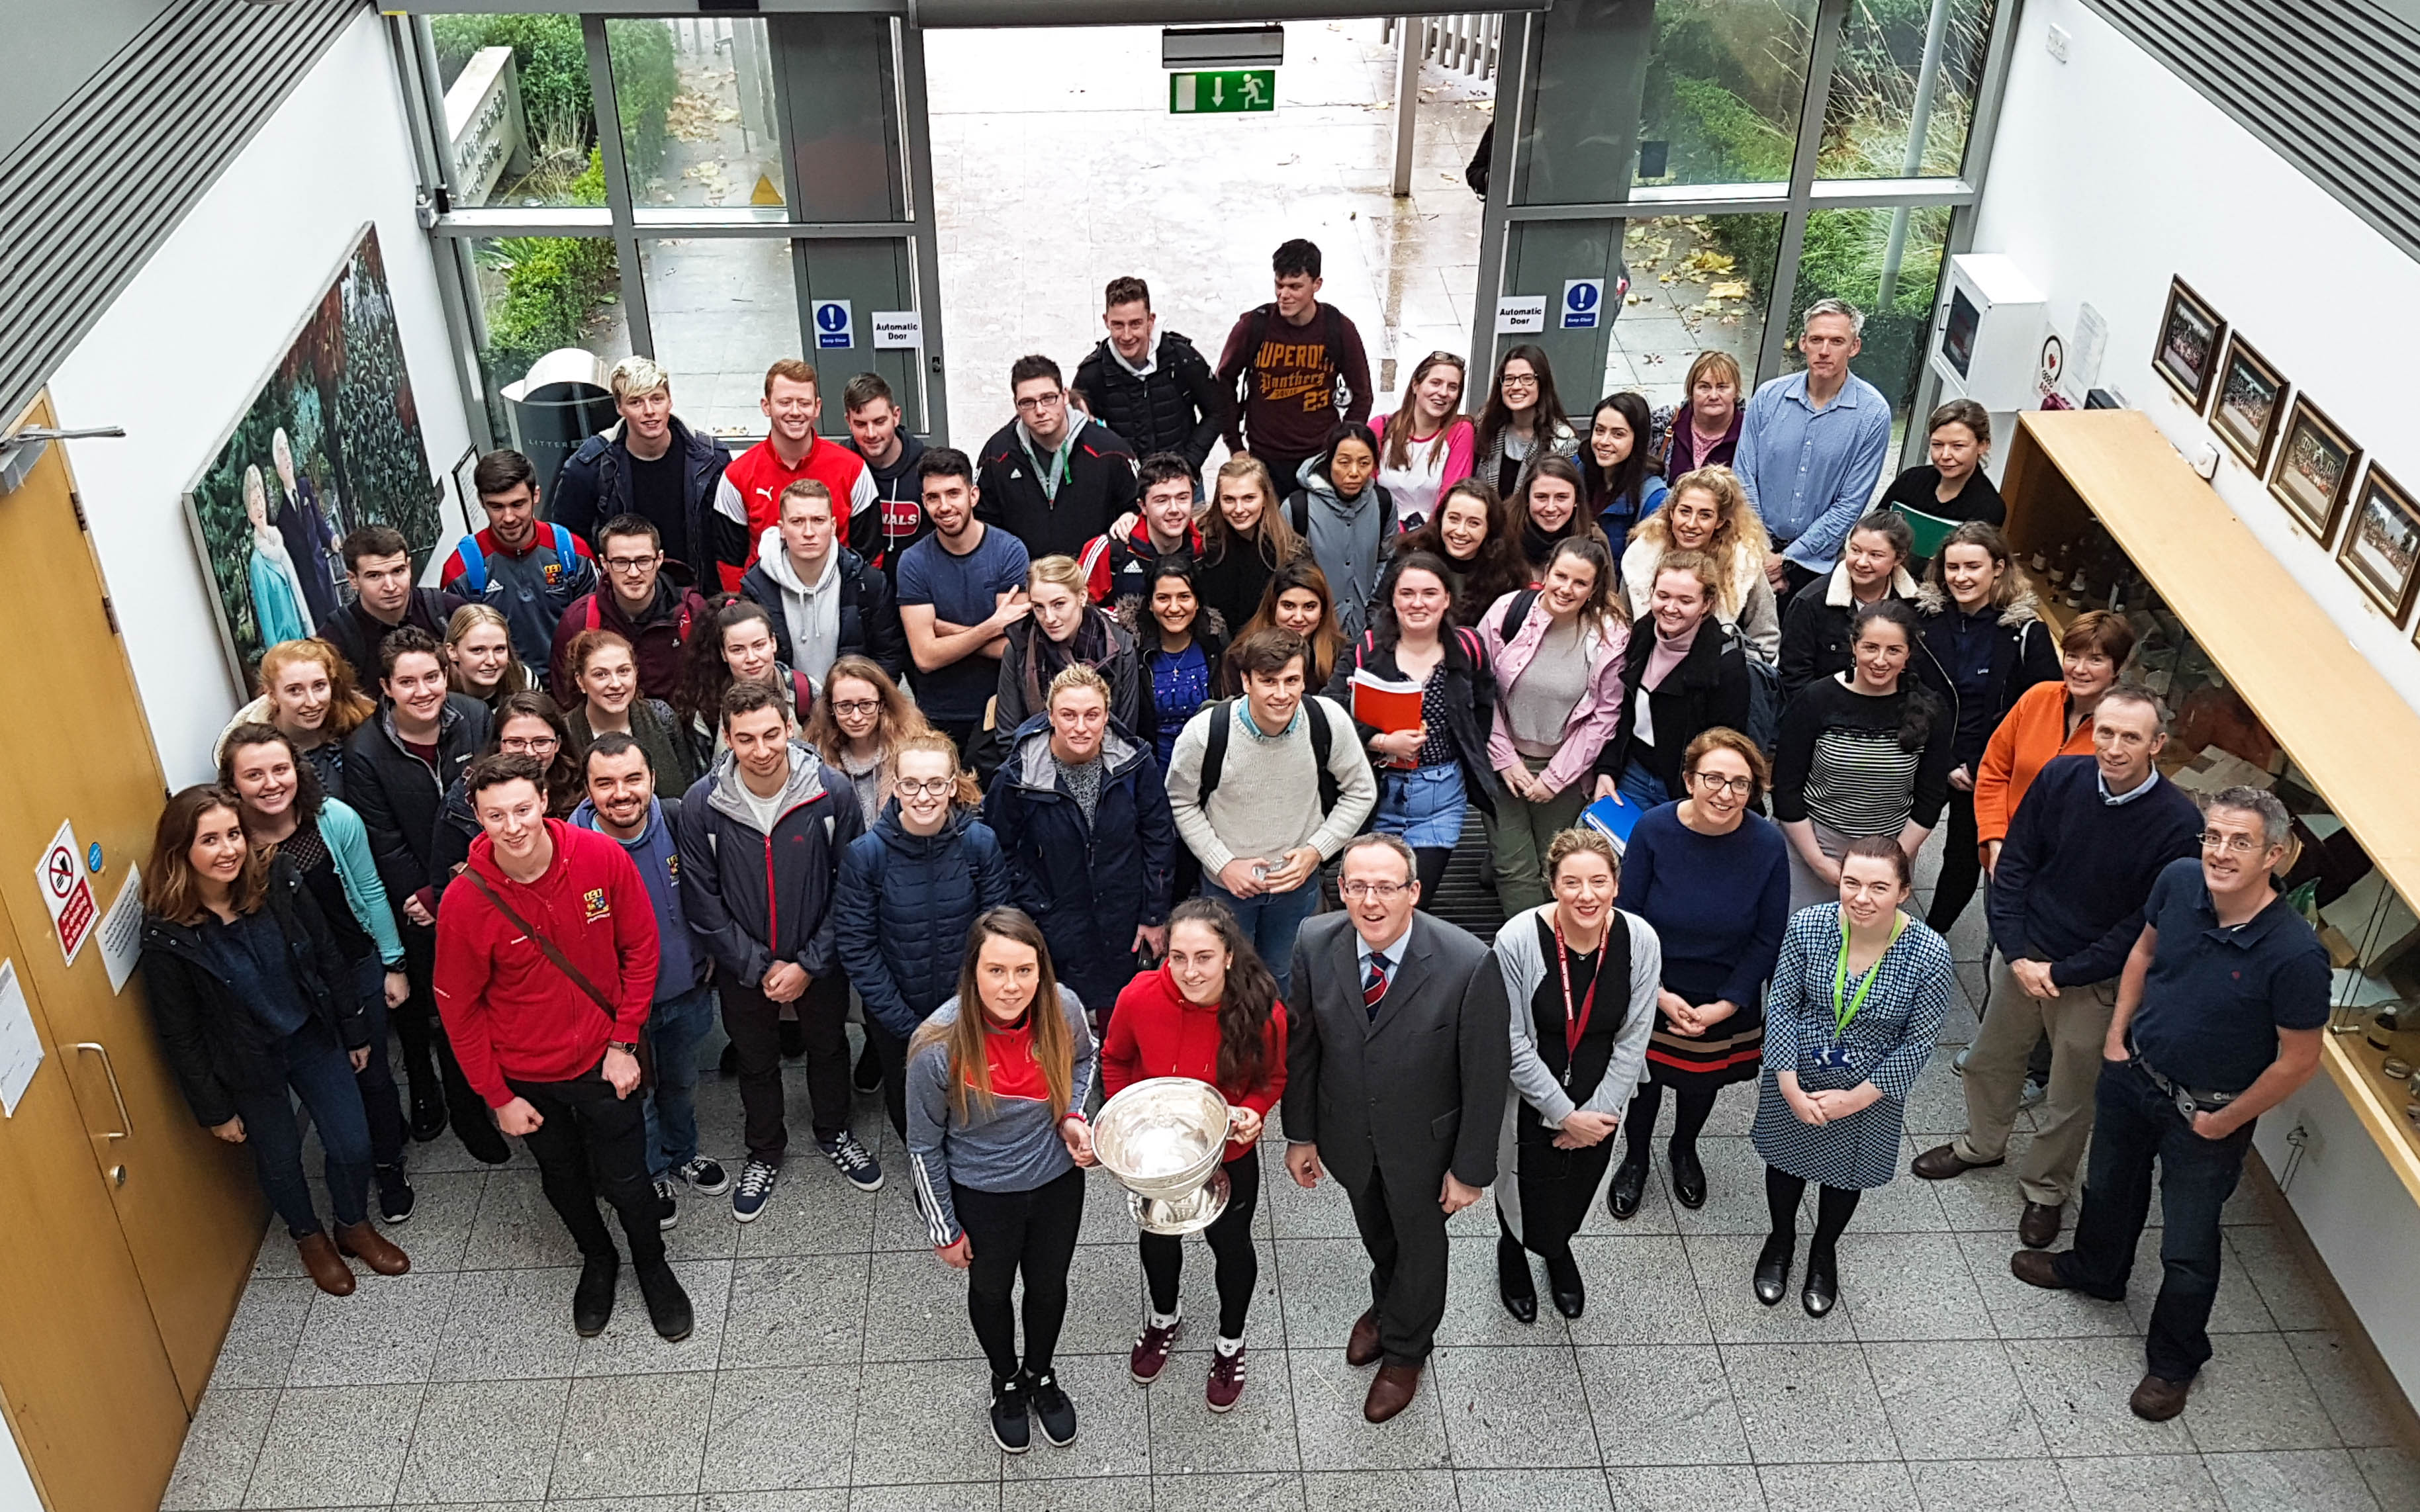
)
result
[(1374, 989)]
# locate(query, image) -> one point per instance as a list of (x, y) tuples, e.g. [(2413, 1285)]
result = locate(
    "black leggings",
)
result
[(1428, 865), (1834, 1206), (1961, 866), (1032, 1232), (1691, 1109), (1231, 1243)]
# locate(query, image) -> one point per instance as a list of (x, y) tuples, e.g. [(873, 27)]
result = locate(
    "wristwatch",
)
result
[(627, 1047)]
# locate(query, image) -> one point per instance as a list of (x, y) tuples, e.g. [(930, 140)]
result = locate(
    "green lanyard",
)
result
[(1842, 1016), (1051, 477)]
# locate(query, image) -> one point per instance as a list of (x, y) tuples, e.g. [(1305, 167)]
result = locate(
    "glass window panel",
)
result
[(538, 294), (1849, 254), (1697, 282), (519, 124), (1726, 82), (698, 120), (1899, 60), (722, 310)]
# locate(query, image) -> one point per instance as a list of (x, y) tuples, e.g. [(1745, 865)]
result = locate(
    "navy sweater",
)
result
[(2076, 870)]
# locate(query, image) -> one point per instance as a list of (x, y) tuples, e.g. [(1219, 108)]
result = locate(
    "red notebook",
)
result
[(1387, 706)]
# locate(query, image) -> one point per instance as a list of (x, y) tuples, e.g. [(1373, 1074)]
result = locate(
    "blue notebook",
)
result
[(1614, 818)]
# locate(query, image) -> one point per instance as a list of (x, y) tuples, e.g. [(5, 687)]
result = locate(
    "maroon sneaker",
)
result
[(1151, 1351), (1226, 1379)]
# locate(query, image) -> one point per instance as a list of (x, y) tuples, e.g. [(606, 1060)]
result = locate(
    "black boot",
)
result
[(1629, 1184), (1771, 1279), (592, 1301), (1563, 1281), (668, 1306), (427, 1108), (1688, 1177), (1823, 1286), (1513, 1282)]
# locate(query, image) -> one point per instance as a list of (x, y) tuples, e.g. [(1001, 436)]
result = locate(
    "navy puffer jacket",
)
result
[(905, 907), (1089, 886)]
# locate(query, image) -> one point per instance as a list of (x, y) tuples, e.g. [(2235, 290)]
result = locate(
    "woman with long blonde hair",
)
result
[(308, 691), (479, 659), (1245, 538), (997, 1081), (1708, 512)]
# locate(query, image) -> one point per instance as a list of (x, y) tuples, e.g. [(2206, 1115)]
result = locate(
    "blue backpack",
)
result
[(474, 562)]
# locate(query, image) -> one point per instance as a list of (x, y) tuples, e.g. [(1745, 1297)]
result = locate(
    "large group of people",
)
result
[(1047, 765)]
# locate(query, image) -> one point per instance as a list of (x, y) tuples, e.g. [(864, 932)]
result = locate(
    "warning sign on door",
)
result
[(67, 893)]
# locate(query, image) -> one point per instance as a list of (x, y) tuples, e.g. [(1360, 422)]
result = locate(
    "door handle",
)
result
[(127, 1122)]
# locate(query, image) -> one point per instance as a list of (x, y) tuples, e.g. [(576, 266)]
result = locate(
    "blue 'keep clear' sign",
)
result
[(833, 325), (1583, 299)]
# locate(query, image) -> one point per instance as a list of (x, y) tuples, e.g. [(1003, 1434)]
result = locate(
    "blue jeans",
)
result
[(2135, 1125), (316, 1069), (675, 1027), (1640, 786), (1270, 921), (379, 1103), (1425, 806)]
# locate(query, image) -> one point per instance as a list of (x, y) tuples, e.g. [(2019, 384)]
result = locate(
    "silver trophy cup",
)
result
[(1165, 1140)]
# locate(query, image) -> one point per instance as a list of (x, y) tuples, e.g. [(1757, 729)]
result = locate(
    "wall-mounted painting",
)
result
[(2251, 401), (2316, 463), (329, 441), (2381, 545), (2191, 333)]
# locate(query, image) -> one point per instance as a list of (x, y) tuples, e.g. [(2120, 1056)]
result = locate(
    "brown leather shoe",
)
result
[(2156, 1398), (329, 1272), (1391, 1390), (372, 1248), (2037, 1267), (2039, 1224), (1362, 1348), (1942, 1161)]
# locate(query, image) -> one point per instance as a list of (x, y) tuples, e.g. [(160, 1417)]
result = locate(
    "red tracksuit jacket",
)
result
[(1155, 1033)]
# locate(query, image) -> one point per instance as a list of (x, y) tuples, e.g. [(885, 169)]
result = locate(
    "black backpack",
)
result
[(1298, 514), (1213, 754), (1515, 614)]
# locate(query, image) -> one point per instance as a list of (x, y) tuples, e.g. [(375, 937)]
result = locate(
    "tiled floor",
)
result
[(832, 1368)]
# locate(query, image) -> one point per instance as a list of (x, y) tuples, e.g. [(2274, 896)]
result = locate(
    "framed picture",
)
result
[(2381, 545), (2190, 338), (2315, 469), (465, 492), (2251, 401), (326, 441)]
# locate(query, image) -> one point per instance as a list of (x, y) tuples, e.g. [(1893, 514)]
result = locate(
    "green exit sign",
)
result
[(1223, 92)]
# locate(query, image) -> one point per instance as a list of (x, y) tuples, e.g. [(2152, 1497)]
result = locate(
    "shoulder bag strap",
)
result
[(562, 962)]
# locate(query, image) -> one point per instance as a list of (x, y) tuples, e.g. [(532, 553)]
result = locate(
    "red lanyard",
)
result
[(1574, 1027)]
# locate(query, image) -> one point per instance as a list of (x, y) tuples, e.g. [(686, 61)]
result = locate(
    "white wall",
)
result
[(178, 354), (2111, 175), (17, 1494)]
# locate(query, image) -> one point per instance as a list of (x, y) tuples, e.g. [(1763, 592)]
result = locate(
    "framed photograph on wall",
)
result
[(2251, 402), (2191, 334), (2315, 469), (2381, 545)]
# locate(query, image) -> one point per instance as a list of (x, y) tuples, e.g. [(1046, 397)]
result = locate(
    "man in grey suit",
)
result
[(1396, 1075)]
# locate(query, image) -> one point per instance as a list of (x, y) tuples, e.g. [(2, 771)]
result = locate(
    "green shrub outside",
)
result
[(553, 285), (552, 60)]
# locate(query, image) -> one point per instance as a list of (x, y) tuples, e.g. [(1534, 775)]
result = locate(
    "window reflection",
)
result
[(699, 123), (520, 123), (1904, 65), (1725, 83)]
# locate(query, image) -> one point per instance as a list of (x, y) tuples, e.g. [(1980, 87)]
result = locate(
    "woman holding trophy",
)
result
[(1209, 1013), (997, 1079)]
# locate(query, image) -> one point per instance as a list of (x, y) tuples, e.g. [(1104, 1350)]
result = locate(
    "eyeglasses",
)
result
[(1040, 402), (2212, 840), (529, 745), (632, 566), (1519, 381), (933, 787), (1382, 891), (1743, 786), (851, 708)]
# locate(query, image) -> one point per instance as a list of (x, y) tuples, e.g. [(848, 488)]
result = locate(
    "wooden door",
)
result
[(86, 1378), (76, 747)]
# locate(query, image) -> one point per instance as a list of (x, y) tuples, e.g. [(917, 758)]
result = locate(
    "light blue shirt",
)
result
[(1393, 955), (1812, 473), (2114, 799)]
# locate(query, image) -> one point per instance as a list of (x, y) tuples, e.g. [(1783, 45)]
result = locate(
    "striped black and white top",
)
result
[(1841, 763)]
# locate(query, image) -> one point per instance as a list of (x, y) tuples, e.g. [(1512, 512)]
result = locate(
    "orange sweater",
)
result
[(2034, 732)]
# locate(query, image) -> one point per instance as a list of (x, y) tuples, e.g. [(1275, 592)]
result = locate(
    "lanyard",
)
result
[(1051, 477), (1844, 1016), (1576, 1025)]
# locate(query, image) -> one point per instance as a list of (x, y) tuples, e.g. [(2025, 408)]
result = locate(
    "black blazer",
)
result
[(1469, 703), (1419, 1091), (1710, 687)]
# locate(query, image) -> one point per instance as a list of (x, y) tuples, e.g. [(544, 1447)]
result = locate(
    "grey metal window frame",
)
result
[(454, 232), (1803, 195)]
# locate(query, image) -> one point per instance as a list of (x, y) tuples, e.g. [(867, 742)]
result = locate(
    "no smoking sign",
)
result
[(67, 893)]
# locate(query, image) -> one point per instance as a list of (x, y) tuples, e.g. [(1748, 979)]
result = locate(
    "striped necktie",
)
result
[(1373, 989)]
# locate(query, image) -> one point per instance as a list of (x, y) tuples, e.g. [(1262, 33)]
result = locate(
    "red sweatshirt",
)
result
[(1155, 1033), (509, 1011)]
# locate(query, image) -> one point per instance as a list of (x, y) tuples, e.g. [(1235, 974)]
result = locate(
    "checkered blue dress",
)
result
[(1889, 1042)]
